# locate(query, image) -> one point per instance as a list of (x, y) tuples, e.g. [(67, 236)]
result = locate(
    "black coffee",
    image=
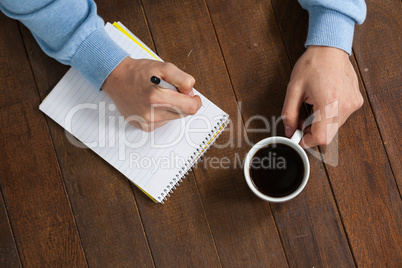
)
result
[(277, 170)]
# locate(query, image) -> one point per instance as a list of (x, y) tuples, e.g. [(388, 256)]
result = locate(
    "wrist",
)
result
[(97, 56), (118, 74), (327, 50)]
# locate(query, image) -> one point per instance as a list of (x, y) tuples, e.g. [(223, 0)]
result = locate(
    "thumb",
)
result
[(291, 109)]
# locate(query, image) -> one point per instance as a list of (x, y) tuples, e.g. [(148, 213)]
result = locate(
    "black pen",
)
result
[(163, 84)]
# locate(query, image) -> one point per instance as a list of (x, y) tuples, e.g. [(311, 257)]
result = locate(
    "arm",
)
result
[(324, 76), (72, 33), (332, 22)]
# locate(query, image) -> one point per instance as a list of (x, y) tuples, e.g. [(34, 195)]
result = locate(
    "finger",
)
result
[(291, 109), (320, 132), (180, 103), (147, 127), (150, 127), (166, 113), (333, 128), (182, 80), (155, 114)]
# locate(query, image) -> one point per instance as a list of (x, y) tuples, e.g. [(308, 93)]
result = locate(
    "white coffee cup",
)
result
[(293, 143)]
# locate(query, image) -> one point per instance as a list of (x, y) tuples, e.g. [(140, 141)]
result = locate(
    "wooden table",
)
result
[(64, 206)]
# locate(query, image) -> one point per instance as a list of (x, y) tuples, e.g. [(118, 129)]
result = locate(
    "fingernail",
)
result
[(191, 94), (288, 131)]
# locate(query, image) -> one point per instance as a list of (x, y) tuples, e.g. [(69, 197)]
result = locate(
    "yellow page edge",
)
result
[(153, 55), (121, 29), (153, 199)]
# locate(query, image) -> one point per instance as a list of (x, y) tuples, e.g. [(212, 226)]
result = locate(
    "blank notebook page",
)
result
[(155, 162)]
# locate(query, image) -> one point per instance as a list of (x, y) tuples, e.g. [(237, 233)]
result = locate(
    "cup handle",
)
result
[(297, 136)]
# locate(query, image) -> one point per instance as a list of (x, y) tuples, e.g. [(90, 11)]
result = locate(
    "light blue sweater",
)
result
[(71, 31)]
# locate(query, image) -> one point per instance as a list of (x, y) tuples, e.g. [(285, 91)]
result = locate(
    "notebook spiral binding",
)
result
[(197, 155)]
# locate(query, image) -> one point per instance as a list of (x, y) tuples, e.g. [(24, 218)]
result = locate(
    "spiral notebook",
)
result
[(155, 162)]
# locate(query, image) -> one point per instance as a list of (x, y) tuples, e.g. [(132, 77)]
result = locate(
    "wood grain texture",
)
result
[(112, 235), (310, 227), (388, 113), (102, 199), (242, 227), (8, 251), (366, 191), (177, 232), (380, 67), (37, 205), (363, 183), (348, 215)]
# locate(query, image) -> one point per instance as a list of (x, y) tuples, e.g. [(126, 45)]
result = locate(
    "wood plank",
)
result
[(116, 225), (37, 205), (364, 188), (104, 206), (380, 67), (310, 226), (388, 114), (178, 231), (363, 182), (8, 251), (242, 227)]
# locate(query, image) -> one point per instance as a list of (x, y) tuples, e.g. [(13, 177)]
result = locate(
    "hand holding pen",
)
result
[(147, 105), (163, 84)]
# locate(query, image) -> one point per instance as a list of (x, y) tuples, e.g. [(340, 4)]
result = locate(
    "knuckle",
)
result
[(347, 106), (146, 128), (153, 98), (288, 116), (360, 102), (192, 109), (148, 118), (189, 82), (135, 124), (168, 67), (321, 139), (156, 118), (327, 142)]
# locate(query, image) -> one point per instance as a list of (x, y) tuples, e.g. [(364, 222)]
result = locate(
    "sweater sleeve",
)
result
[(332, 22), (71, 32)]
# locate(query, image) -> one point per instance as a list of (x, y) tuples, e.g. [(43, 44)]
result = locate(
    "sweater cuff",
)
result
[(330, 28), (97, 56)]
